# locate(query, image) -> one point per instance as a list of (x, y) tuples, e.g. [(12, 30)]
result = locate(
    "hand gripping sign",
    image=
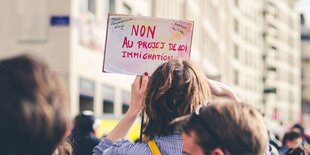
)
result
[(135, 45)]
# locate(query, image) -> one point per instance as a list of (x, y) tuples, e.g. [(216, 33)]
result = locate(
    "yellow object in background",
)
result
[(106, 125)]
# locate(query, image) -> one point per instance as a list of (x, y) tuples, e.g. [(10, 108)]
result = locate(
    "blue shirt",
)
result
[(168, 145)]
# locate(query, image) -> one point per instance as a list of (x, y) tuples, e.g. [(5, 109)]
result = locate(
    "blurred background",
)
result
[(261, 48)]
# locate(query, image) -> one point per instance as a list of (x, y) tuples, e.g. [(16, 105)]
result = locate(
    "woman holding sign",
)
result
[(175, 89)]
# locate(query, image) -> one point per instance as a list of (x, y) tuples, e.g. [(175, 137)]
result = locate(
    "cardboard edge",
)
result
[(190, 50), (105, 44), (150, 17)]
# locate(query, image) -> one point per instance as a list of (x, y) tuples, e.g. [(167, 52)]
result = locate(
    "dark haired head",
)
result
[(32, 103), (298, 128), (175, 89), (290, 136), (235, 128), (83, 123)]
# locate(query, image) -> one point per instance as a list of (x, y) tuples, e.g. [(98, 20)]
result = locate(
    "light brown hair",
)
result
[(32, 107), (236, 128), (64, 148), (175, 89)]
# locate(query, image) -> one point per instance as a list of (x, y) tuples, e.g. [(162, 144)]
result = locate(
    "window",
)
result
[(290, 115), (237, 3), (111, 5), (125, 101), (236, 26), (88, 5), (87, 91), (86, 103), (236, 51), (236, 77), (108, 99), (91, 7)]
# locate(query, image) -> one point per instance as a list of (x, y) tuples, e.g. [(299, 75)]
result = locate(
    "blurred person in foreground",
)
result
[(224, 127), (32, 107), (83, 137), (175, 89), (290, 140)]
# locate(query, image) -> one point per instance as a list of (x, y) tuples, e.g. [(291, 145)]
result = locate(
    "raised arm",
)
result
[(138, 89), (222, 90)]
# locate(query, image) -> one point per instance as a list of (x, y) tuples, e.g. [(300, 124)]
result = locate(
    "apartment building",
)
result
[(305, 68), (253, 46), (281, 57), (250, 45), (70, 36)]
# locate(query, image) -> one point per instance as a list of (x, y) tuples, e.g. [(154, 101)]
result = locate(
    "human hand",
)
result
[(221, 90), (138, 88)]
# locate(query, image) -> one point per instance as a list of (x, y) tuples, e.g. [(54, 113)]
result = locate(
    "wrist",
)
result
[(133, 112)]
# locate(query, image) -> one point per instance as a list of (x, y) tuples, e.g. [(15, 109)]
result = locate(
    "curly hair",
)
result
[(175, 89)]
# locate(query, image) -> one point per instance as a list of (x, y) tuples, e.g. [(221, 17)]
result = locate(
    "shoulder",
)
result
[(125, 147)]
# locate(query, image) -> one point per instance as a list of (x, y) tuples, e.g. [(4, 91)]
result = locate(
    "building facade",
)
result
[(305, 69), (253, 46), (281, 35), (250, 45), (70, 36)]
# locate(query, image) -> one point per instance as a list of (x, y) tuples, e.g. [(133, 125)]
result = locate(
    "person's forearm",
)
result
[(122, 128), (138, 89), (221, 90)]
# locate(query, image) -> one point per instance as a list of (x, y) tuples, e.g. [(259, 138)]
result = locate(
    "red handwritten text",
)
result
[(127, 43), (143, 30), (176, 47), (147, 45), (146, 56)]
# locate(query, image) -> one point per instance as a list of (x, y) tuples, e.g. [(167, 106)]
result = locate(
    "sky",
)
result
[(304, 7)]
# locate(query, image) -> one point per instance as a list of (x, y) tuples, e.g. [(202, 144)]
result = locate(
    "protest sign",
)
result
[(135, 45)]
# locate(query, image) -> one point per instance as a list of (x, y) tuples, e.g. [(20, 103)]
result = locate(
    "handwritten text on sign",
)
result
[(135, 45)]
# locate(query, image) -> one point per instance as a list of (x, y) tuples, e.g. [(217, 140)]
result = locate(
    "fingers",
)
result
[(136, 82), (140, 83), (144, 82)]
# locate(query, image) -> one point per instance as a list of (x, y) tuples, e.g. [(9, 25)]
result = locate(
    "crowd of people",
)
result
[(185, 113)]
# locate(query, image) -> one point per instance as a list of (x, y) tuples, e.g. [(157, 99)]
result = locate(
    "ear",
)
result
[(217, 151)]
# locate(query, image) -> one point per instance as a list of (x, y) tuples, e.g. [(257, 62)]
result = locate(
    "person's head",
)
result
[(174, 89), (84, 123), (225, 127), (298, 151), (292, 139), (32, 107), (298, 128)]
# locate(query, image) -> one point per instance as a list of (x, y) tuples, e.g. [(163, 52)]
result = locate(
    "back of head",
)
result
[(174, 89), (236, 128), (298, 128), (32, 119), (290, 136), (83, 123)]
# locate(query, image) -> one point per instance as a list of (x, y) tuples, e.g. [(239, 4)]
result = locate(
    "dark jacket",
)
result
[(83, 145)]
